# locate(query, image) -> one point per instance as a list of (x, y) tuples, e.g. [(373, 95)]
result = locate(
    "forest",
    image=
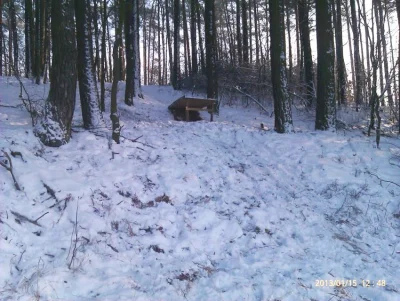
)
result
[(285, 188), (287, 51)]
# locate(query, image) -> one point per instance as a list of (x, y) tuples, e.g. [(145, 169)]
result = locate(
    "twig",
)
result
[(22, 218), (381, 180), (50, 191), (10, 169), (114, 249), (41, 216), (344, 202), (74, 231), (135, 140), (252, 98), (20, 257)]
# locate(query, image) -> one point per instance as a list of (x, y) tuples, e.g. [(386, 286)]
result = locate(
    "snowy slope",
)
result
[(196, 211)]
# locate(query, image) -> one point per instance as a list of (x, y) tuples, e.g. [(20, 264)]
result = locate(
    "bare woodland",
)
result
[(319, 56)]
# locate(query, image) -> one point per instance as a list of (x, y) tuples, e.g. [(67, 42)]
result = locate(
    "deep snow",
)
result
[(196, 211)]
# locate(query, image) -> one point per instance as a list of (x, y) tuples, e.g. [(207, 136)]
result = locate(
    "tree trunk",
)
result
[(186, 39), (238, 33), (202, 61), (129, 27), (14, 37), (385, 54), (97, 37), (357, 60), (116, 128), (195, 68), (305, 41), (288, 25), (245, 33), (28, 35), (175, 71), (1, 38), (326, 108), (211, 49), (282, 109), (398, 60), (353, 78), (103, 58), (340, 65), (88, 92), (167, 13), (256, 32), (54, 128)]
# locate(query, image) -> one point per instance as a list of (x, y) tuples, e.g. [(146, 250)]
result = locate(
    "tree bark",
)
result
[(175, 71), (88, 92), (340, 65), (245, 33), (211, 49), (116, 128), (193, 39), (103, 57), (1, 38), (282, 109), (54, 128), (326, 108), (305, 41), (14, 37), (357, 59)]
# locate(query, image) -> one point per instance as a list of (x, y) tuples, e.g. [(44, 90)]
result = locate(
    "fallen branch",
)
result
[(10, 169), (15, 154), (252, 98), (381, 180), (22, 218), (136, 141)]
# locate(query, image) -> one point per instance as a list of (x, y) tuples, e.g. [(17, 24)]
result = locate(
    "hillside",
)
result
[(196, 211)]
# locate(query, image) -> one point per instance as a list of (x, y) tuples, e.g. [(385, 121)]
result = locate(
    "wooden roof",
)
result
[(183, 102)]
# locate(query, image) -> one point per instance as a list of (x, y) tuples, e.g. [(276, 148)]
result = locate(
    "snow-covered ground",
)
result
[(196, 211)]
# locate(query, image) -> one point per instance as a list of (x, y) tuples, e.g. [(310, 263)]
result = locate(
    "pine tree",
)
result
[(88, 92), (326, 110), (54, 127), (211, 49), (282, 109)]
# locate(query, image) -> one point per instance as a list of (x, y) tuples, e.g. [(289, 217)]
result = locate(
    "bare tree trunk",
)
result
[(238, 33), (116, 128), (340, 65), (169, 40), (353, 78), (282, 108), (211, 46), (176, 68), (1, 38), (14, 37), (103, 57), (326, 107), (245, 33), (398, 61), (193, 36), (288, 25), (385, 54), (256, 32), (186, 38), (54, 128), (202, 61), (88, 92), (303, 9), (97, 38)]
